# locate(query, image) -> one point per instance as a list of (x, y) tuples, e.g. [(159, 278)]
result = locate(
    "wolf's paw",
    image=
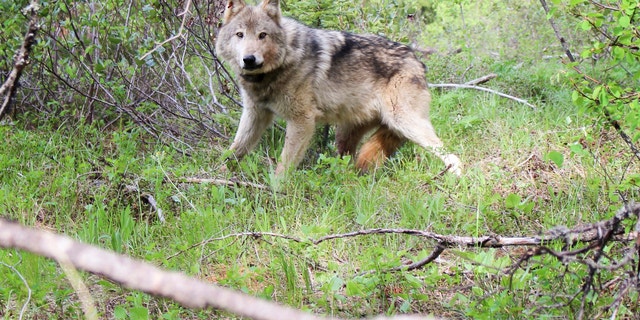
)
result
[(453, 163)]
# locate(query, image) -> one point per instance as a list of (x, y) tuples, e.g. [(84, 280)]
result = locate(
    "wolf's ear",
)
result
[(232, 8), (272, 8)]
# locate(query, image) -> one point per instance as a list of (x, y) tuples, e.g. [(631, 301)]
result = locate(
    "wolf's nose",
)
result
[(249, 61)]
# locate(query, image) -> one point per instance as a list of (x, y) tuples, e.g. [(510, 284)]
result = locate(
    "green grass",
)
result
[(78, 181)]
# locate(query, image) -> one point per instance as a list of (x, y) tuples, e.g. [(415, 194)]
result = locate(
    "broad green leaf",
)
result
[(624, 21), (556, 157), (512, 201)]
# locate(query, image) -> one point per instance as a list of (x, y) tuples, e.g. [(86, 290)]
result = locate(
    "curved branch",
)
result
[(467, 86)]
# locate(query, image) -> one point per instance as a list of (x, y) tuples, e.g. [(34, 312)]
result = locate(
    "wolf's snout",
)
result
[(251, 62)]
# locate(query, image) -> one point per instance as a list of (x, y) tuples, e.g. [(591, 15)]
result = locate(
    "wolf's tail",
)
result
[(382, 144)]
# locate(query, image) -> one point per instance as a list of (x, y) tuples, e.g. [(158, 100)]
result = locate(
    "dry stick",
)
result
[(417, 265), (466, 86), (588, 233), (481, 80), (86, 301), (235, 235), (26, 284), (9, 87)]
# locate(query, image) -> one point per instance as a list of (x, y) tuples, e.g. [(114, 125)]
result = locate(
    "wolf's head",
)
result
[(251, 38)]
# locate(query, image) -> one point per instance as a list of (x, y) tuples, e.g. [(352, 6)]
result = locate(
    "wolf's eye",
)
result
[(262, 35), (240, 35)]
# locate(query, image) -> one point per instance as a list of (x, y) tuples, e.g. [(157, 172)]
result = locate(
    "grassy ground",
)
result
[(92, 185), (520, 178)]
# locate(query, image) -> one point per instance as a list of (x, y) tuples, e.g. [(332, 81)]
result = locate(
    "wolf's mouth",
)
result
[(252, 67)]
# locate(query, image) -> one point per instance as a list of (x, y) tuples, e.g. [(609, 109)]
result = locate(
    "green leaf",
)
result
[(336, 284), (618, 53), (577, 149), (575, 95), (354, 288), (556, 157), (585, 25), (119, 312), (139, 313), (512, 201), (596, 93), (624, 21)]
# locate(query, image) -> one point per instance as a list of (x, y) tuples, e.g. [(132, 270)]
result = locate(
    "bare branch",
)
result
[(481, 80), (466, 86), (180, 33), (563, 42)]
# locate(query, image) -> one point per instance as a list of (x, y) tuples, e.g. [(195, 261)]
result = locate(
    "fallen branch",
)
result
[(481, 80), (467, 86), (8, 88), (193, 293), (587, 233)]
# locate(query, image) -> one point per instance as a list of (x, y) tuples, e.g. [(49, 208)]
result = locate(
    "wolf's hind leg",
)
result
[(348, 137), (420, 131), (408, 117), (382, 144)]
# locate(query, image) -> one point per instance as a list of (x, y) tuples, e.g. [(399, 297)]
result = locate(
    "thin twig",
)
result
[(26, 284), (184, 15), (481, 80), (235, 235), (563, 42), (465, 86), (433, 256)]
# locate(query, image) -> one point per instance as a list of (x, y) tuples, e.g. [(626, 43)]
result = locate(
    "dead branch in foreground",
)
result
[(138, 275)]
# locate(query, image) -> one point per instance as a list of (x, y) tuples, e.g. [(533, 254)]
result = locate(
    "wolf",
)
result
[(308, 76)]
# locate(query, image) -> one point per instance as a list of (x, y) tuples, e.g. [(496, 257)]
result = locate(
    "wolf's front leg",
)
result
[(253, 122), (296, 142)]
